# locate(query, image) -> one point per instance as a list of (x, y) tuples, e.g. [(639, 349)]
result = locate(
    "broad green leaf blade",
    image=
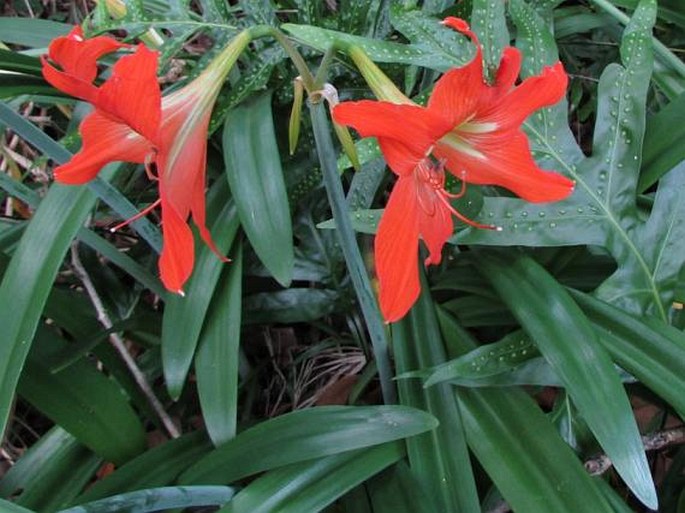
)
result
[(397, 491), (156, 467), (662, 151), (216, 361), (350, 249), (518, 446), (37, 481), (652, 351), (29, 277), (523, 454), (10, 507), (489, 22), (426, 32), (486, 360), (306, 434), (568, 342), (254, 173), (184, 316), (83, 401), (13, 85), (311, 486), (439, 459), (32, 32), (378, 51), (156, 499), (646, 280), (19, 63), (602, 210)]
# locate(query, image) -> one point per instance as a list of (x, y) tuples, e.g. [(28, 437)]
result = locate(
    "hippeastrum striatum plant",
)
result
[(133, 122), (474, 130)]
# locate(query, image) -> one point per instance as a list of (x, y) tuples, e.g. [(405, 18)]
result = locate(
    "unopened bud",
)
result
[(295, 113)]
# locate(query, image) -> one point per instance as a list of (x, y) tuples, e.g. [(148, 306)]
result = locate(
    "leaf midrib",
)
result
[(610, 217)]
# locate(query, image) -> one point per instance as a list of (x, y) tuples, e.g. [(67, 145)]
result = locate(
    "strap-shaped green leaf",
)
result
[(37, 479), (652, 351), (29, 277), (518, 446), (156, 499), (306, 434), (32, 32), (378, 51), (158, 466), (438, 459), (313, 485), (602, 210), (184, 316), (83, 401), (254, 173), (568, 342), (11, 507), (216, 361)]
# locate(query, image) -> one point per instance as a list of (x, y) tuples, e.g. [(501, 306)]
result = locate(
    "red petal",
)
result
[(509, 68), (67, 83), (396, 251), (458, 91), (532, 94), (414, 127), (435, 229), (399, 157), (198, 210), (182, 161), (78, 56), (104, 141), (132, 93), (176, 260), (509, 164)]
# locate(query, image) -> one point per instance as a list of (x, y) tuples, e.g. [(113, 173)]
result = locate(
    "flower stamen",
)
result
[(140, 214), (433, 174)]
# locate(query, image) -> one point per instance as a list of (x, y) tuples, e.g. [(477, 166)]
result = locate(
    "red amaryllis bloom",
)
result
[(474, 130), (132, 122)]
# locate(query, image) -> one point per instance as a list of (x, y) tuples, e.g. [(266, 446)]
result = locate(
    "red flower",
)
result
[(474, 130), (132, 122)]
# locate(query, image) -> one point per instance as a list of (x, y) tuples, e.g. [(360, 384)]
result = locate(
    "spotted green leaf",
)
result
[(602, 210)]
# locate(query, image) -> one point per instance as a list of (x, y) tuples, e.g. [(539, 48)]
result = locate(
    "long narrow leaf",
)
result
[(348, 243), (216, 362), (440, 458), (307, 434), (567, 341), (157, 467), (83, 401), (185, 315), (518, 446), (37, 481), (312, 485), (253, 170), (156, 499), (29, 277)]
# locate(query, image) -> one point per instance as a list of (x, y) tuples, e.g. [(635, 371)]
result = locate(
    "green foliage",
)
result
[(578, 301)]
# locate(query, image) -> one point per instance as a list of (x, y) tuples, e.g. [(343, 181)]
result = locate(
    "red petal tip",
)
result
[(457, 24)]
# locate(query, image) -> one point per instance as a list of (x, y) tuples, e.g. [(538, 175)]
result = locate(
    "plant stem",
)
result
[(120, 345), (306, 75), (348, 243)]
